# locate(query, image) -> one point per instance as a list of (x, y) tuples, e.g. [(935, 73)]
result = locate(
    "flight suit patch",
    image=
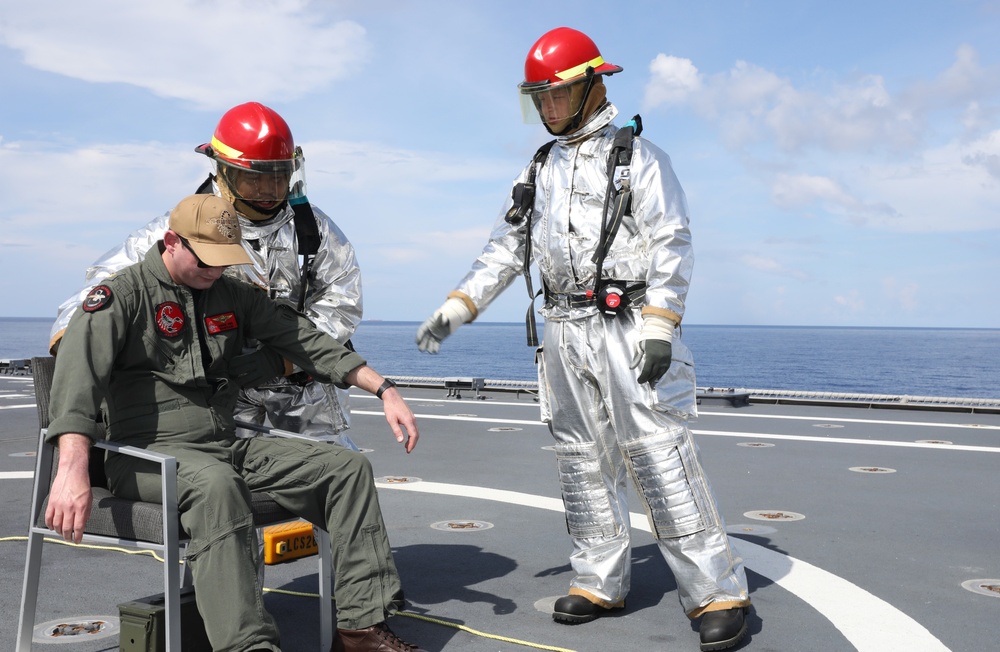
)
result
[(220, 323), (99, 297), (169, 318)]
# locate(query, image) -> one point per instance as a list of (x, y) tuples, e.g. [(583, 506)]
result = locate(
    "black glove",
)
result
[(257, 368), (656, 354)]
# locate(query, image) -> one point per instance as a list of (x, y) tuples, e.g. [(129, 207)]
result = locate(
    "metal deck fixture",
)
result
[(773, 515), (461, 526)]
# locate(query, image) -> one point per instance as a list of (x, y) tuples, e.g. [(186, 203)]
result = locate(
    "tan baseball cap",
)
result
[(210, 226)]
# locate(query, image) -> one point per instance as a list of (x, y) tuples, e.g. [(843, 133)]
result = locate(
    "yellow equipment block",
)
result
[(287, 541)]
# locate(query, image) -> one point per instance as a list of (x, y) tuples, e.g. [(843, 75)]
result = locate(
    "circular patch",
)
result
[(98, 298), (169, 318)]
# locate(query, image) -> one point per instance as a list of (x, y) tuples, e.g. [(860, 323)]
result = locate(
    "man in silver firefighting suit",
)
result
[(616, 383), (260, 170)]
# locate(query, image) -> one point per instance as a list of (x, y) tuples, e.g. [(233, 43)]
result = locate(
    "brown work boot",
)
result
[(377, 638)]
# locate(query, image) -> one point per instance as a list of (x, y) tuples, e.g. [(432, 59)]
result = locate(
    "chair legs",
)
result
[(325, 585), (29, 592)]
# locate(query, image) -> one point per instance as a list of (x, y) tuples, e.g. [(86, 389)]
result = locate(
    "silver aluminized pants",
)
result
[(607, 427)]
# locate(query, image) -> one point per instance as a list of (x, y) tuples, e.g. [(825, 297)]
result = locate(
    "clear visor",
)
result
[(265, 184), (555, 105)]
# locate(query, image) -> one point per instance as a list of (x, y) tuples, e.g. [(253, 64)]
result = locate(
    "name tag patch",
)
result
[(220, 323)]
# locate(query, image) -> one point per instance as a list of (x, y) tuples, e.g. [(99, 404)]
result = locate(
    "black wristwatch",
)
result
[(384, 386)]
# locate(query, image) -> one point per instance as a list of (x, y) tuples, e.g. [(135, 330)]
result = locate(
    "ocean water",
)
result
[(913, 361)]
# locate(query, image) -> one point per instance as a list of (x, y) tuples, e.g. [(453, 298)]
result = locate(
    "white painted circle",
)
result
[(47, 632), (983, 587)]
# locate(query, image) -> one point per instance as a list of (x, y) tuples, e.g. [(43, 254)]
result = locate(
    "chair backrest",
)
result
[(42, 371)]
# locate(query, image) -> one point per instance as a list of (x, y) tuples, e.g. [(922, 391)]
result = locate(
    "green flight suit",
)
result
[(157, 354)]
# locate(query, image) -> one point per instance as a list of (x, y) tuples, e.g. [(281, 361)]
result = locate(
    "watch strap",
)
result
[(384, 386)]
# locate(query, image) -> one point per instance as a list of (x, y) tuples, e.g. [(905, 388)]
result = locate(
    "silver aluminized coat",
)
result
[(333, 303), (607, 427)]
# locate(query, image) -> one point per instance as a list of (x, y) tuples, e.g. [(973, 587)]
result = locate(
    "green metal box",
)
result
[(143, 625)]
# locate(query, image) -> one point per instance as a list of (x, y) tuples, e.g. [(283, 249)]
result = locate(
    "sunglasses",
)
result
[(187, 246)]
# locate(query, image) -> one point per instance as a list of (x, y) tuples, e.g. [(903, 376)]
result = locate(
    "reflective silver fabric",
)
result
[(333, 303), (607, 427)]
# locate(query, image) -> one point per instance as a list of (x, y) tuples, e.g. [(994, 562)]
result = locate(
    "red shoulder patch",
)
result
[(99, 297), (220, 323)]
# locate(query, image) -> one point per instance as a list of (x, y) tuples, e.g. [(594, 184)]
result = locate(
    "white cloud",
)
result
[(916, 159), (672, 81), (799, 191), (903, 295), (375, 167), (44, 186), (750, 104), (852, 302), (963, 82), (952, 188), (212, 53), (770, 266), (984, 154), (793, 191)]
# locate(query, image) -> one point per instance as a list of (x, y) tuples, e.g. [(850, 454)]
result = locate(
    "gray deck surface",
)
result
[(877, 563)]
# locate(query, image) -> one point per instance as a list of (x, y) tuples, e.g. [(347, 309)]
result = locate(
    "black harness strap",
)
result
[(307, 237), (206, 187), (520, 211), (619, 187)]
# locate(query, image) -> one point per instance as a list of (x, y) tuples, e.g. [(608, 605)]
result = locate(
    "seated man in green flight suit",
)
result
[(159, 344)]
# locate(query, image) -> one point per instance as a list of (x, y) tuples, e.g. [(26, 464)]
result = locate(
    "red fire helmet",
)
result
[(561, 55), (249, 133)]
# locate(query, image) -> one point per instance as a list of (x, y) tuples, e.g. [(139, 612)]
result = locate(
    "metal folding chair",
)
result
[(148, 526)]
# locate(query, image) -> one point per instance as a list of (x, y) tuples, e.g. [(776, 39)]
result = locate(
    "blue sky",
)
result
[(841, 160)]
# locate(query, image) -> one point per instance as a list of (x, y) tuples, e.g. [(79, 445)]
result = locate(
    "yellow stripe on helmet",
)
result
[(224, 149), (576, 71)]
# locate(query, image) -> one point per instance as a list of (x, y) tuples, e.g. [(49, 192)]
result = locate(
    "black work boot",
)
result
[(721, 630), (576, 609)]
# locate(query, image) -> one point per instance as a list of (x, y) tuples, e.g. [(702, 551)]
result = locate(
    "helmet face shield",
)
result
[(555, 105), (263, 184)]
